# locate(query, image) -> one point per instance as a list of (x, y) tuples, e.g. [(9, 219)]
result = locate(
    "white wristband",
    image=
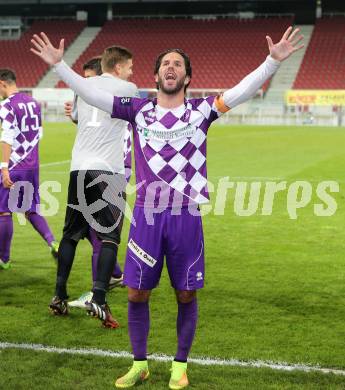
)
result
[(4, 165)]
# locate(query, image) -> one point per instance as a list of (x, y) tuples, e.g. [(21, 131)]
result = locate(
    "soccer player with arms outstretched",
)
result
[(170, 158), (20, 117)]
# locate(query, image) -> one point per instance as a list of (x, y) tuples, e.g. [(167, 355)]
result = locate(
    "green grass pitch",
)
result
[(275, 286)]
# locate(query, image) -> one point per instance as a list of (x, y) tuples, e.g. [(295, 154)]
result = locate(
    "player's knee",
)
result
[(67, 242), (138, 296), (28, 213), (185, 296), (4, 214)]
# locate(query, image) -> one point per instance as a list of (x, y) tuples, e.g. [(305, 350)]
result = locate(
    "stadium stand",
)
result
[(28, 67), (222, 51), (323, 66), (71, 54)]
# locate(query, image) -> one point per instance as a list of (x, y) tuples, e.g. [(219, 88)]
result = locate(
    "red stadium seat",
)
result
[(323, 66), (28, 67), (222, 51)]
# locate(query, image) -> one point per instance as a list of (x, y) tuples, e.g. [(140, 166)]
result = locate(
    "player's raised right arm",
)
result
[(53, 56), (279, 52)]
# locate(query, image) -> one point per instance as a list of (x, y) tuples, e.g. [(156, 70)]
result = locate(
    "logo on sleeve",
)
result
[(125, 101)]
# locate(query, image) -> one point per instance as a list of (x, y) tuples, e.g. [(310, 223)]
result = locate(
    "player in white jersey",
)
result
[(169, 135), (96, 193), (93, 68)]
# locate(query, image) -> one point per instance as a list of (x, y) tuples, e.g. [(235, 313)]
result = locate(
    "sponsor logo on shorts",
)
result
[(199, 276), (141, 254)]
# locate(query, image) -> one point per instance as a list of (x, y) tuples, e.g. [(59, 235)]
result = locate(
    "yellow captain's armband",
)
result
[(220, 105)]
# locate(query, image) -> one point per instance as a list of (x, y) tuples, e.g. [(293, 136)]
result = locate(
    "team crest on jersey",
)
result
[(149, 116), (125, 101)]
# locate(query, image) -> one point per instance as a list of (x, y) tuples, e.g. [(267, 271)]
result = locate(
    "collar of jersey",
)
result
[(175, 109), (14, 93), (105, 74)]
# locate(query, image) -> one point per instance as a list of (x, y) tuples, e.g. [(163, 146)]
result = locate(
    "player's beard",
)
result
[(177, 89)]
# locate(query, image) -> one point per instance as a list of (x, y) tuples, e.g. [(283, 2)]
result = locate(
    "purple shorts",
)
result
[(25, 194), (177, 237)]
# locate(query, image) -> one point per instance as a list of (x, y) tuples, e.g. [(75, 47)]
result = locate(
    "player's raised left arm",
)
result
[(279, 52), (53, 56)]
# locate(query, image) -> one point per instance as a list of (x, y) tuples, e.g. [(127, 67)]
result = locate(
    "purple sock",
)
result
[(6, 233), (40, 225), (117, 273), (95, 255), (96, 248), (187, 318), (138, 327)]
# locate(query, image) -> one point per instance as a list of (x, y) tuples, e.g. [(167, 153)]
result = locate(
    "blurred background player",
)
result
[(98, 175), (93, 68), (20, 117), (170, 149)]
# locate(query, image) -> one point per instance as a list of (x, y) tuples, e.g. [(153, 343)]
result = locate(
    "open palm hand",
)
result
[(286, 46), (45, 50)]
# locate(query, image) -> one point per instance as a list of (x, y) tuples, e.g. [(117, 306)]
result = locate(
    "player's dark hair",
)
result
[(114, 55), (94, 64), (185, 57), (7, 75)]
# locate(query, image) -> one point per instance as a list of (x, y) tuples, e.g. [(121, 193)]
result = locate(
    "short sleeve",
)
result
[(211, 107), (125, 108), (8, 123)]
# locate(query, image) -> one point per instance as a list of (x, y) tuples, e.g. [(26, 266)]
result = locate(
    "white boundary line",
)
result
[(204, 361), (232, 178), (51, 164)]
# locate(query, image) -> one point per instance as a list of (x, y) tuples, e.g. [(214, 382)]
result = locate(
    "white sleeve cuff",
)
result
[(7, 138), (58, 65), (272, 61)]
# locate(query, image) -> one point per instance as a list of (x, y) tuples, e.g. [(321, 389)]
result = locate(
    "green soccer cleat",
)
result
[(5, 265), (81, 301), (138, 373), (178, 379), (54, 249)]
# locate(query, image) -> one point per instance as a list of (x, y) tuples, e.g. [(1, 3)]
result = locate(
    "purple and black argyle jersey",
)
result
[(20, 117), (169, 149)]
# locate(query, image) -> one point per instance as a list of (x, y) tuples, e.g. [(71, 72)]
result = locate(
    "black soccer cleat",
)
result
[(58, 306), (102, 312)]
